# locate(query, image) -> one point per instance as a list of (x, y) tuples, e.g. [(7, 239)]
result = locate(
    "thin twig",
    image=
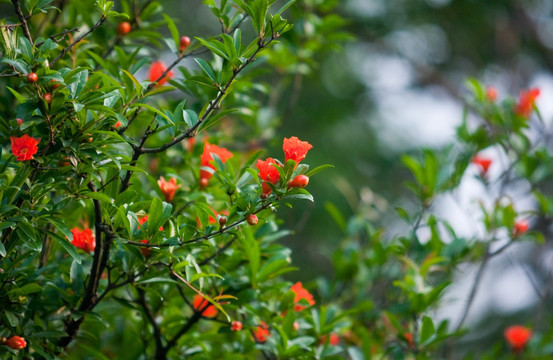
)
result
[(66, 49), (22, 20)]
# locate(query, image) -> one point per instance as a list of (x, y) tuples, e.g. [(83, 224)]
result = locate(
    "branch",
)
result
[(214, 104), (22, 19), (199, 238), (66, 49), (151, 319), (473, 290), (63, 33)]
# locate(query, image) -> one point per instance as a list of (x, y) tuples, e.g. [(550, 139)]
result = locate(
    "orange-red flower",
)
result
[(16, 343), (526, 101), (333, 341), (236, 325), (517, 336), (301, 293), (207, 159), (143, 219), (157, 70), (268, 173), (261, 333), (295, 149), (23, 148), (168, 188), (201, 304), (491, 93), (83, 239), (521, 227), (483, 162)]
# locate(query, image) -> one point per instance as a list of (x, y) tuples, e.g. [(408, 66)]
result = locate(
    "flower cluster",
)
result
[(83, 239), (294, 149)]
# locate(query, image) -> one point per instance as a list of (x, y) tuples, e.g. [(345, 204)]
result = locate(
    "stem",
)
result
[(66, 49), (22, 19)]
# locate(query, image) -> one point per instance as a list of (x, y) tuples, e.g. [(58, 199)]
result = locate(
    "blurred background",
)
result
[(380, 78)]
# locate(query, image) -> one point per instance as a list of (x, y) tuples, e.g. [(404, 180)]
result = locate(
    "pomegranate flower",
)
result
[(483, 163), (268, 173), (157, 70), (301, 293), (526, 102), (83, 239), (334, 339), (521, 227), (201, 304), (295, 149), (23, 148), (207, 160), (491, 93), (261, 333), (16, 343), (517, 336), (168, 188)]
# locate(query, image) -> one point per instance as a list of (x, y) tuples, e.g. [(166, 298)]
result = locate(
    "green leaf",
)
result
[(173, 29), (427, 329), (318, 169), (207, 69), (70, 248)]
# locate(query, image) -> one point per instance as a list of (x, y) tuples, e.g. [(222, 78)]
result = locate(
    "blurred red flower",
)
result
[(526, 101), (261, 333), (517, 336), (157, 70), (521, 227), (207, 159), (301, 293), (83, 239), (483, 162), (333, 341), (201, 304)]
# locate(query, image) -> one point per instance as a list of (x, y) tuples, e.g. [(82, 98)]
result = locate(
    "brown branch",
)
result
[(53, 37), (66, 49), (158, 337), (23, 20)]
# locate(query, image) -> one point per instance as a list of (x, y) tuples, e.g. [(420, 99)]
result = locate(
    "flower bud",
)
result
[(235, 325), (299, 181), (16, 343), (252, 219), (184, 42)]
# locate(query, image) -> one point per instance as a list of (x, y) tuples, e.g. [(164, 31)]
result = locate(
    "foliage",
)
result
[(138, 219)]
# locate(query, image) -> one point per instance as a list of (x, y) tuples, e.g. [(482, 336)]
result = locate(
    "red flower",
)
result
[(143, 219), (526, 101), (483, 162), (235, 325), (207, 159), (261, 333), (295, 149), (268, 173), (168, 188), (23, 148), (157, 69), (301, 293), (118, 124), (521, 227), (333, 341), (83, 239), (409, 337), (517, 336), (201, 304), (491, 93), (211, 219), (16, 343)]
